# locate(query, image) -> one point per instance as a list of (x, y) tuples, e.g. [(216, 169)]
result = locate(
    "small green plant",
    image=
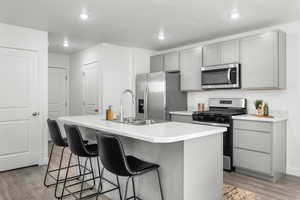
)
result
[(258, 104)]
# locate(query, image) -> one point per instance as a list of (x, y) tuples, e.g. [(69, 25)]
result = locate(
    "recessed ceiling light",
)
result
[(161, 36), (234, 14), (84, 16), (66, 43)]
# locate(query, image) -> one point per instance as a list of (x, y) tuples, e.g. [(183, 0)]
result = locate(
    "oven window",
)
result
[(215, 77)]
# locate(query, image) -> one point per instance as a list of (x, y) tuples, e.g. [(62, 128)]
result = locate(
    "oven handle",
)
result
[(211, 124)]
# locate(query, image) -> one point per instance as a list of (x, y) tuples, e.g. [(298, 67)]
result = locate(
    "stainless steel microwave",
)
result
[(221, 76)]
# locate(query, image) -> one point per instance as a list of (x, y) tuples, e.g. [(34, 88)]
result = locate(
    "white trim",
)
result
[(293, 171), (58, 66)]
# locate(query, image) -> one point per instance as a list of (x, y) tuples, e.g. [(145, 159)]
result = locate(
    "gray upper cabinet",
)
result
[(190, 69), (171, 61), (263, 61), (221, 53), (230, 52), (211, 55), (157, 63)]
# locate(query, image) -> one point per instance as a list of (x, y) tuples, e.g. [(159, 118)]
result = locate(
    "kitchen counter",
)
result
[(163, 132), (263, 119), (190, 156), (187, 113)]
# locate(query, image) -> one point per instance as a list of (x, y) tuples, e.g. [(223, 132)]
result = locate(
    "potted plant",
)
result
[(258, 107)]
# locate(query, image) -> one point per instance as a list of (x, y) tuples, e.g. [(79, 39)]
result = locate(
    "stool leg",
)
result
[(47, 171), (126, 188), (119, 187), (65, 181), (79, 167), (59, 169), (100, 174), (93, 175), (84, 170), (160, 186), (133, 188)]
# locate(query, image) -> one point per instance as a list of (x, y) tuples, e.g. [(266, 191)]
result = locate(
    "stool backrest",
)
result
[(112, 154), (55, 133), (75, 140)]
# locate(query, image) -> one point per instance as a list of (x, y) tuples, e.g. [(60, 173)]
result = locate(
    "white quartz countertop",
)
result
[(166, 132), (264, 119), (181, 112)]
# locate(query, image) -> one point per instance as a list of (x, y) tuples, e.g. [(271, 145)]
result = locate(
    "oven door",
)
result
[(224, 76)]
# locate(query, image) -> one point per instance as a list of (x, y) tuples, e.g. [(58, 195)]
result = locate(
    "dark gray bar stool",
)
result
[(88, 151), (58, 141), (113, 158)]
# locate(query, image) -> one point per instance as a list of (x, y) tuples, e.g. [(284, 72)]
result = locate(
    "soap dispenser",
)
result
[(109, 113)]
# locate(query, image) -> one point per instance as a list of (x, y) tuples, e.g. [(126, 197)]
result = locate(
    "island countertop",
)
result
[(165, 132)]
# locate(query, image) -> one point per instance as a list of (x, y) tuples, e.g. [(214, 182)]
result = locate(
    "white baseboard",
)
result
[(293, 171), (44, 161)]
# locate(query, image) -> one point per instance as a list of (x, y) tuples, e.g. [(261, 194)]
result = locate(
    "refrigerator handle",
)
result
[(146, 115)]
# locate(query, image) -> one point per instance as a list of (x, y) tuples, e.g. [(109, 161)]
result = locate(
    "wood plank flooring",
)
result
[(27, 184)]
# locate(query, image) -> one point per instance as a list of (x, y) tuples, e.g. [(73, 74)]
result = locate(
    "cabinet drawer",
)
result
[(254, 161), (257, 141), (252, 125)]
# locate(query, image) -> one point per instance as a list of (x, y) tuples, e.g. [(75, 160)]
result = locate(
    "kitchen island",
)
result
[(190, 156)]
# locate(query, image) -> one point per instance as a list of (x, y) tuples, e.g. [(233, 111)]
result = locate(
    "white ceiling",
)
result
[(137, 22)]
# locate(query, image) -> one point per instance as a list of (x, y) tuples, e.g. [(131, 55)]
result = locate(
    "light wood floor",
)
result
[(27, 184)]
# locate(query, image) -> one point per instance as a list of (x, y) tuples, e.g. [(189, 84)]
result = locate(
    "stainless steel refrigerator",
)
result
[(159, 93)]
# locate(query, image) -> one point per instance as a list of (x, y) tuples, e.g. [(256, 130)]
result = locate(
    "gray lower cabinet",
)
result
[(182, 118), (171, 61), (190, 69), (263, 61), (259, 148), (157, 63)]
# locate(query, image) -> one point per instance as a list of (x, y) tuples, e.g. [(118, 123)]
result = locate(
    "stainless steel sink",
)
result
[(138, 122)]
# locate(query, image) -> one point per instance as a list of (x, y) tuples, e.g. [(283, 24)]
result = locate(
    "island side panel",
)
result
[(170, 158), (203, 168)]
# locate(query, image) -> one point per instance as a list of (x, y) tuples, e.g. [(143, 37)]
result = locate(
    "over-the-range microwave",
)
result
[(224, 76)]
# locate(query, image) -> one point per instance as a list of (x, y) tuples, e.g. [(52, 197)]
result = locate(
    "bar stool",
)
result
[(87, 151), (58, 141), (113, 158)]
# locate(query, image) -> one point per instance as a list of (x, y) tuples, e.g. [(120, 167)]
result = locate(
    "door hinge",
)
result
[(66, 77)]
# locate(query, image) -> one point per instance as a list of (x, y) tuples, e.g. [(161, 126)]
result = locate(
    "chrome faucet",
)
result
[(127, 91)]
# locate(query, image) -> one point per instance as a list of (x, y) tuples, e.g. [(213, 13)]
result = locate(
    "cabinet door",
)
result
[(182, 118), (156, 63), (190, 69), (230, 52), (171, 61), (259, 61), (212, 55)]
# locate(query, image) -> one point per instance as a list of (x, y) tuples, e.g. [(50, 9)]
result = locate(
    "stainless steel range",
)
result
[(220, 114)]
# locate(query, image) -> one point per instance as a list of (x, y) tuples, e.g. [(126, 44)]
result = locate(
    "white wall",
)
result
[(58, 60), (279, 100), (33, 40), (119, 66)]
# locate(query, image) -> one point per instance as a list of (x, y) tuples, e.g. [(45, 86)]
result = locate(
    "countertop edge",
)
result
[(253, 118), (147, 139)]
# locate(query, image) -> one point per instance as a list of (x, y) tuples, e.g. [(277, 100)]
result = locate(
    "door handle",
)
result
[(35, 114), (96, 110)]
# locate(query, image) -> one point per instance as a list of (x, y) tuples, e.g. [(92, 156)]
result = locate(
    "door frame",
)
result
[(67, 85), (100, 88)]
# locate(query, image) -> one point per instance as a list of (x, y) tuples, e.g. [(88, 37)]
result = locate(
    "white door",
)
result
[(57, 92), (20, 130), (91, 88)]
